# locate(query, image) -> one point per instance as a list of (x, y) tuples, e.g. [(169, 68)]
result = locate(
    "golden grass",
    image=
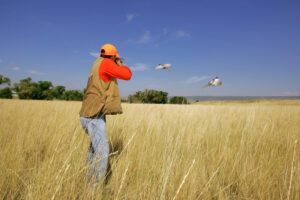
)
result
[(202, 151)]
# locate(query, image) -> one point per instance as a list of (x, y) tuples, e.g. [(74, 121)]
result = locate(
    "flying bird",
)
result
[(163, 66), (214, 82)]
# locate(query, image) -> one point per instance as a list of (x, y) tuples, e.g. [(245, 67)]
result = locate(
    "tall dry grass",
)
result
[(209, 151)]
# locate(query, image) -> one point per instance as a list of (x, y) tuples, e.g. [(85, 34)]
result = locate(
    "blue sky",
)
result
[(252, 45)]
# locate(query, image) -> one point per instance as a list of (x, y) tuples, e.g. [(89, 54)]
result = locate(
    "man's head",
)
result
[(108, 51)]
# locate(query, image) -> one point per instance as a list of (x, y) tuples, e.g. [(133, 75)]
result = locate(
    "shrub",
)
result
[(6, 93), (178, 100), (149, 96)]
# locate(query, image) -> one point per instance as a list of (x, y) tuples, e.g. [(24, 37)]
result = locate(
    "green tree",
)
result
[(149, 96), (45, 90), (4, 80), (133, 99), (136, 98), (27, 89), (73, 95), (58, 92), (6, 93), (178, 100)]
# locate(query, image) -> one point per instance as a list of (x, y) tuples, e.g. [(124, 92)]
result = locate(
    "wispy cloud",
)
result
[(139, 67), (289, 93), (146, 37), (180, 34), (15, 68), (35, 72), (130, 17), (196, 79), (95, 54)]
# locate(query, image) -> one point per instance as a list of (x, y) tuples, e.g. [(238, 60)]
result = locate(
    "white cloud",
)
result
[(15, 68), (289, 93), (139, 67), (146, 37), (182, 35), (34, 72), (95, 54), (196, 79), (129, 17)]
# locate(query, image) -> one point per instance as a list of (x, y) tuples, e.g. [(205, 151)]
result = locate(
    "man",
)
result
[(100, 99)]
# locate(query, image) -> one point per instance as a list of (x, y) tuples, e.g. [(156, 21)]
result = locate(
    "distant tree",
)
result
[(27, 89), (4, 80), (73, 95), (45, 90), (131, 99), (135, 98), (124, 100), (178, 100), (149, 96), (58, 92), (6, 93), (45, 85)]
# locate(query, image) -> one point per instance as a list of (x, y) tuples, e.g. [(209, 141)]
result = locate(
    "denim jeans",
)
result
[(97, 157)]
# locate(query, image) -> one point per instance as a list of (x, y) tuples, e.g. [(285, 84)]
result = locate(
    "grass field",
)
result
[(209, 150)]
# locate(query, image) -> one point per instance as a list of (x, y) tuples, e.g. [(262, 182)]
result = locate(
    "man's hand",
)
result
[(119, 62)]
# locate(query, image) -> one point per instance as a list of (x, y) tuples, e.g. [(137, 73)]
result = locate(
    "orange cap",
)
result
[(118, 56), (109, 50)]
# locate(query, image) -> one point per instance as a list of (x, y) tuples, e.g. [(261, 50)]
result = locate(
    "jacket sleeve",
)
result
[(112, 69)]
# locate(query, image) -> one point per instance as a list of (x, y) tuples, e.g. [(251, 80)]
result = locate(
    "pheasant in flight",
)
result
[(163, 66), (214, 82)]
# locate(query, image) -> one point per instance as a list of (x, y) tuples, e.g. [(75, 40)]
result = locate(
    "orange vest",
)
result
[(100, 97)]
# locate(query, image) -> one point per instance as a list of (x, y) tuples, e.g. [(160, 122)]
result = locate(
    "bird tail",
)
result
[(169, 70)]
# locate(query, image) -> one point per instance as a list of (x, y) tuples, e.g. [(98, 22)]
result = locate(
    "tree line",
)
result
[(44, 90), (155, 96)]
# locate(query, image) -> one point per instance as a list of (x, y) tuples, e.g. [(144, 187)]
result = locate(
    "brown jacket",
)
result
[(100, 97)]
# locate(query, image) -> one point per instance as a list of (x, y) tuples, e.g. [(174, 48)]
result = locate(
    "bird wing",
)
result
[(158, 67), (205, 86), (167, 65), (169, 69), (209, 83)]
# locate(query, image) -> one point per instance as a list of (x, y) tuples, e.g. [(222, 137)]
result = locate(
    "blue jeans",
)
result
[(97, 157)]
